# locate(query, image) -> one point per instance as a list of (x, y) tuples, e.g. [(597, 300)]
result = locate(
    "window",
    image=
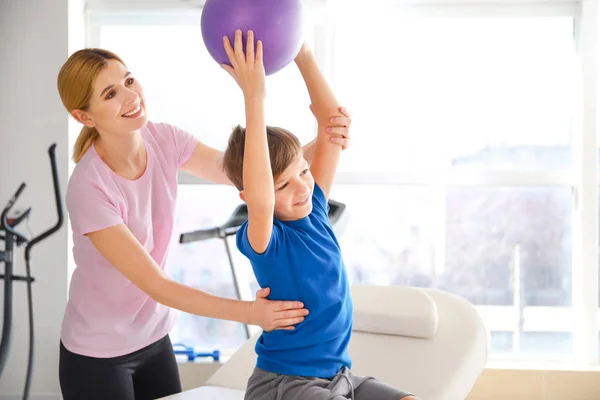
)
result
[(507, 250), (464, 99), (437, 93), (465, 169)]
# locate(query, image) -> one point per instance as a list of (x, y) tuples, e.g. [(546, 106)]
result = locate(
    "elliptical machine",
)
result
[(12, 238)]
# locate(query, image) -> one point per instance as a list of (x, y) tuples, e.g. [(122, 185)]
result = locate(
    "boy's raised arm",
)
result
[(248, 71), (324, 106)]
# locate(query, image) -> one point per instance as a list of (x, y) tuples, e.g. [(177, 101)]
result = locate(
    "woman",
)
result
[(121, 199)]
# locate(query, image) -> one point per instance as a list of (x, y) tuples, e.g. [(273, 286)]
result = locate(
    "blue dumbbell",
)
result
[(191, 354)]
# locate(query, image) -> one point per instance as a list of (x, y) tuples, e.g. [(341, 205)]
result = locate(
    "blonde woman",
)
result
[(121, 198)]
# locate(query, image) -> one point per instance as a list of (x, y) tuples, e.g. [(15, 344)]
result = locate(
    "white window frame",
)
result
[(585, 189), (583, 179)]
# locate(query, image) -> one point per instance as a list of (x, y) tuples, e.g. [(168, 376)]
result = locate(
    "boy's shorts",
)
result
[(264, 385)]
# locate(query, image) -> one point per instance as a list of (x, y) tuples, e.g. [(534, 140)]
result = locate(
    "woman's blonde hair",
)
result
[(75, 83)]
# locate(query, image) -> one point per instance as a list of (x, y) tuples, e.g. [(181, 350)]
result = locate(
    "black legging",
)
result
[(146, 374)]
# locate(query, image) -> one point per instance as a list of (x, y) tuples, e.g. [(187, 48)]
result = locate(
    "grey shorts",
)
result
[(264, 385)]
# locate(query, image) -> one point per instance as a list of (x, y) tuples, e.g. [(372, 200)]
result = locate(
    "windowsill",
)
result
[(540, 365)]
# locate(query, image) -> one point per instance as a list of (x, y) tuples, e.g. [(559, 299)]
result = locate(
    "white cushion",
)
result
[(392, 310)]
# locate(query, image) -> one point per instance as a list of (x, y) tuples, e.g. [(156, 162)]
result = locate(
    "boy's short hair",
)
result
[(284, 148)]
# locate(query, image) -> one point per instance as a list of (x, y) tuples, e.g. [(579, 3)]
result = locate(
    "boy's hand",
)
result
[(338, 127), (247, 69), (271, 315)]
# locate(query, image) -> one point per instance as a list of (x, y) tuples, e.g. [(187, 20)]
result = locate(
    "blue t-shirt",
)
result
[(304, 262)]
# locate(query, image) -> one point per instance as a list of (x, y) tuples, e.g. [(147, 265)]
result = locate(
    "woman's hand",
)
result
[(247, 69), (338, 127), (272, 315)]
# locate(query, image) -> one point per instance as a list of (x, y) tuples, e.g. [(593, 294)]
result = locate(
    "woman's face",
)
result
[(117, 102)]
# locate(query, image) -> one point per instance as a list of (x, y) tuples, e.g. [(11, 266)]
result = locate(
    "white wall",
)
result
[(33, 46)]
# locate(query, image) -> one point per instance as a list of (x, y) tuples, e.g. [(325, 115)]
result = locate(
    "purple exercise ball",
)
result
[(277, 23)]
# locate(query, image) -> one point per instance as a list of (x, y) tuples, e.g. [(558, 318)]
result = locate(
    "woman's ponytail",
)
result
[(86, 138)]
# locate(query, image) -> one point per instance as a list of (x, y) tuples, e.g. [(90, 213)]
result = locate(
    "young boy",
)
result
[(290, 242)]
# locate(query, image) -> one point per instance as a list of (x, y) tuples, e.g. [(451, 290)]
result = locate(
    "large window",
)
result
[(436, 93), (441, 97), (465, 169)]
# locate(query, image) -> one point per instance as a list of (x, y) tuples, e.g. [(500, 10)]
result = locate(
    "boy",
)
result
[(290, 242)]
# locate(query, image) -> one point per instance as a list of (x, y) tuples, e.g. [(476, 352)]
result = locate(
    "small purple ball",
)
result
[(277, 23)]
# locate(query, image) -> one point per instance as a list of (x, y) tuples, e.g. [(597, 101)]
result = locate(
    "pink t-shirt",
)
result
[(106, 314)]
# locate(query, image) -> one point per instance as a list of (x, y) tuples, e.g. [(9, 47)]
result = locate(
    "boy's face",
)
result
[(293, 191)]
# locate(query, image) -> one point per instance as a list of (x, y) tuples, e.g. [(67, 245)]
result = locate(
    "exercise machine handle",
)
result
[(202, 234), (3, 218), (58, 200)]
